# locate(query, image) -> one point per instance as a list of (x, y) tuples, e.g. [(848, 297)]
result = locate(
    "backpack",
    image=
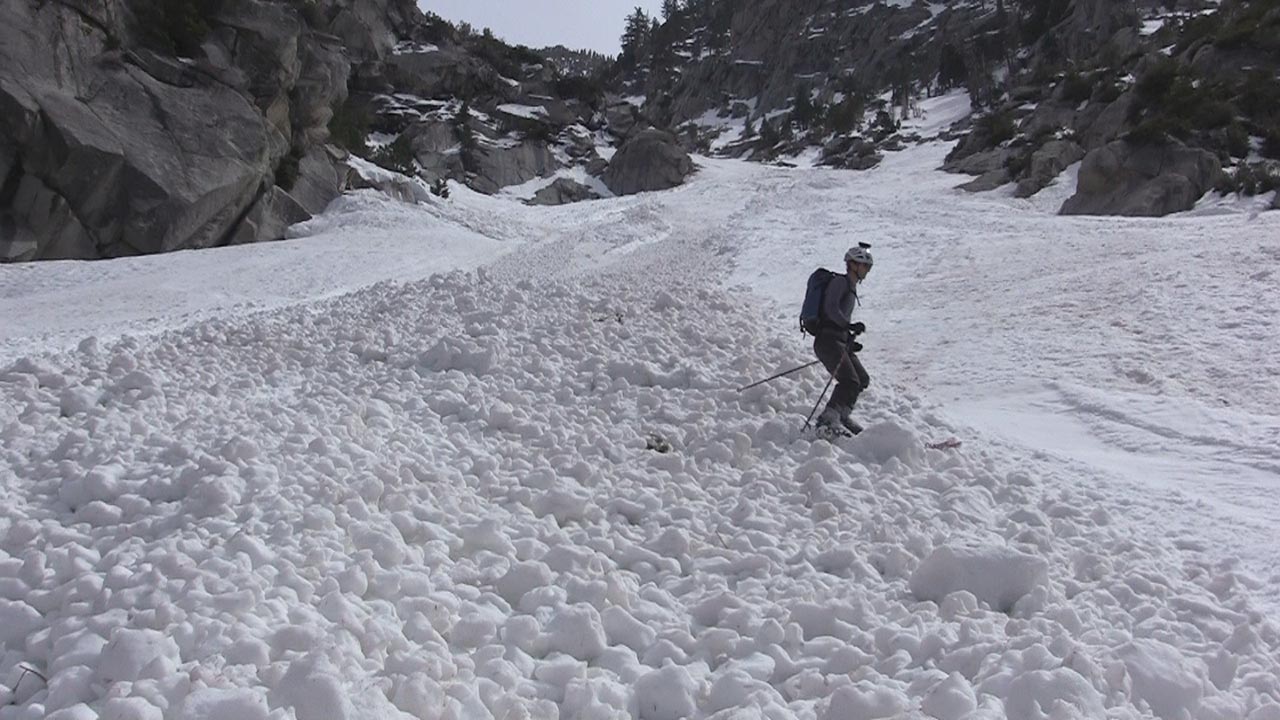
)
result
[(811, 310)]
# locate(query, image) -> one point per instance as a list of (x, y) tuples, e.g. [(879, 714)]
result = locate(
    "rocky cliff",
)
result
[(141, 126)]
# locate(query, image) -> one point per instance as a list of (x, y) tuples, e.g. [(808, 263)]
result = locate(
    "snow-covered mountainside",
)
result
[(473, 459), (1164, 102)]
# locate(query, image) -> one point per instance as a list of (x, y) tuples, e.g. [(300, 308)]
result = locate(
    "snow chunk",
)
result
[(576, 630), (77, 400), (131, 708), (1172, 684), (853, 702), (312, 688), (886, 441), (996, 575), (224, 704), (951, 699), (17, 621), (455, 354), (1035, 695), (129, 651), (666, 694), (521, 578)]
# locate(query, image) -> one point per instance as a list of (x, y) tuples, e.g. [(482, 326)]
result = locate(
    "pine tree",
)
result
[(466, 136), (670, 8), (635, 39), (803, 113)]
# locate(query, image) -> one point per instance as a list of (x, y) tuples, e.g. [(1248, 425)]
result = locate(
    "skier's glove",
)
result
[(853, 346), (857, 329)]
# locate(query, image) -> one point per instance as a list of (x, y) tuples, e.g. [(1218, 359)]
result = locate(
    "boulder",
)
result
[(1122, 178), (987, 181), (979, 163), (650, 160), (851, 153), (563, 191), (622, 119), (1046, 164)]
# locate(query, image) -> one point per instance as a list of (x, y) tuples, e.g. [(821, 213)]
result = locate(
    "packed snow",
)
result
[(472, 459)]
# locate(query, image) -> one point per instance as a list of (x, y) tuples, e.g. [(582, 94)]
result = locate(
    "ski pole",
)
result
[(775, 377), (815, 405)]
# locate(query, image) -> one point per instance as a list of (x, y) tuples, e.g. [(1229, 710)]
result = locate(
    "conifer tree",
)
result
[(635, 39)]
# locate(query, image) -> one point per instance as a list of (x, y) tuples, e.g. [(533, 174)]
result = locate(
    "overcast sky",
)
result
[(591, 24)]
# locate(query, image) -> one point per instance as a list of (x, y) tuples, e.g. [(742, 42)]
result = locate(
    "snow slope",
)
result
[(533, 491)]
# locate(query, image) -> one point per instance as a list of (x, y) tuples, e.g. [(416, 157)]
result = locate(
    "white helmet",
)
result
[(860, 254)]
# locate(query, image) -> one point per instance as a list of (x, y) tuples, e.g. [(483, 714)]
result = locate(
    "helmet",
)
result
[(860, 254)]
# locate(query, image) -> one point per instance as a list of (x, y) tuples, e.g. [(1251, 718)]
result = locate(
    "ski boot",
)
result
[(849, 425), (831, 426)]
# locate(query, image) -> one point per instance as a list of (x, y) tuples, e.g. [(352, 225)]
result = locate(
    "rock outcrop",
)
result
[(1146, 180), (650, 160), (112, 148), (1046, 164), (563, 191)]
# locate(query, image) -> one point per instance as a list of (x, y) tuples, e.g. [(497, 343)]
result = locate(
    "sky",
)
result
[(590, 24)]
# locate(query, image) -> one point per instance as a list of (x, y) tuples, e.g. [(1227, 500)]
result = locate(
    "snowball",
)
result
[(996, 575), (224, 704), (1171, 683), (666, 694)]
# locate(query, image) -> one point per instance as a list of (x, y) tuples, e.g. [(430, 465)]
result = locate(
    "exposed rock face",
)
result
[(430, 71), (563, 191), (112, 149), (1148, 180), (500, 164), (1046, 164), (131, 168), (651, 160)]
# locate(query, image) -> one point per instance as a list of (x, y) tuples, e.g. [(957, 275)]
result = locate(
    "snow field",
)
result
[(435, 500)]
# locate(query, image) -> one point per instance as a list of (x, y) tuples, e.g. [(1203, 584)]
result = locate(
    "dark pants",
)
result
[(851, 377)]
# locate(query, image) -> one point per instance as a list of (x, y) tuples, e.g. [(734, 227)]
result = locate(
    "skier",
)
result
[(835, 344)]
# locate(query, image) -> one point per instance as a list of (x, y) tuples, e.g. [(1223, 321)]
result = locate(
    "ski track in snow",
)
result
[(434, 497)]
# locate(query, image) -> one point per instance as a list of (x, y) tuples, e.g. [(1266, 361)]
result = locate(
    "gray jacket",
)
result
[(838, 302)]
